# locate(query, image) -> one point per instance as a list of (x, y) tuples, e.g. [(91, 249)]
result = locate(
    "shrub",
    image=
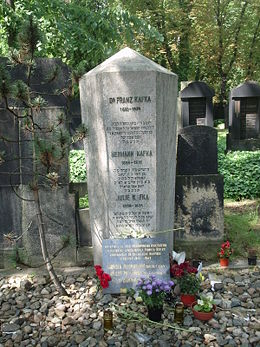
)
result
[(241, 171), (77, 166)]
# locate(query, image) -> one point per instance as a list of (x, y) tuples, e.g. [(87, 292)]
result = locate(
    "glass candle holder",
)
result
[(179, 313), (108, 320)]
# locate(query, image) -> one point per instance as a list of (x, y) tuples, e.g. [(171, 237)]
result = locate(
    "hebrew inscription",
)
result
[(131, 138)]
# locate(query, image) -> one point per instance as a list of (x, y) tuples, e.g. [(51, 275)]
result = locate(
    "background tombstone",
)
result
[(51, 80), (244, 117), (199, 192), (128, 104), (196, 104)]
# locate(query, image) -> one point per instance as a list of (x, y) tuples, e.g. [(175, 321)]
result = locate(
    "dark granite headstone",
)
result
[(197, 151), (196, 102), (244, 117), (126, 260)]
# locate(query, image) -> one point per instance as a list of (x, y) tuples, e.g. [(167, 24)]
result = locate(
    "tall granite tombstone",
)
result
[(196, 104), (244, 117), (128, 104), (199, 191)]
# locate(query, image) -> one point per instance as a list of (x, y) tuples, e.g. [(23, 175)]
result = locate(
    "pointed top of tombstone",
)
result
[(127, 60)]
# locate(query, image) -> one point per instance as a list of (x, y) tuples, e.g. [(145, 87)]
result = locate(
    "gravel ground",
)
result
[(33, 314)]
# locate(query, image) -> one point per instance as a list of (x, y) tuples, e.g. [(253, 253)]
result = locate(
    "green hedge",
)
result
[(241, 171), (77, 166)]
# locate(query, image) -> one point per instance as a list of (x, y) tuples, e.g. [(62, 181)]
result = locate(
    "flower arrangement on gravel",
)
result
[(153, 291), (225, 251), (103, 277), (185, 276)]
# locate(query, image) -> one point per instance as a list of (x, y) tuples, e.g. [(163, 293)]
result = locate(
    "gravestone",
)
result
[(199, 192), (128, 104), (244, 117), (196, 104), (50, 78)]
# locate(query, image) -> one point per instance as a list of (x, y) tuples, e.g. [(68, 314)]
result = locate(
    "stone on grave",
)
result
[(128, 104)]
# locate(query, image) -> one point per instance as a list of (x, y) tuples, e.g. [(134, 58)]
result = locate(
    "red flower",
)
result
[(225, 251), (106, 276), (99, 270), (104, 283), (103, 277)]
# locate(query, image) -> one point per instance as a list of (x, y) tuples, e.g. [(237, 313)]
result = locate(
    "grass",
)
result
[(242, 226)]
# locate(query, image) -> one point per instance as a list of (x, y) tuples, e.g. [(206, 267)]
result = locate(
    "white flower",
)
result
[(209, 296)]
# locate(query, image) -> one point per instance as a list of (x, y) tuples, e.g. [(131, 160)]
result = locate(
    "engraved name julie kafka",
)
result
[(131, 136)]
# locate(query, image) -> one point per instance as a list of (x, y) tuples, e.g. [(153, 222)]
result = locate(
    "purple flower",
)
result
[(167, 288), (171, 283), (149, 286), (144, 287), (149, 292)]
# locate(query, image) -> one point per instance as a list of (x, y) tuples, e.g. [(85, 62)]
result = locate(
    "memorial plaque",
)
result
[(126, 260), (200, 121), (252, 125), (128, 104)]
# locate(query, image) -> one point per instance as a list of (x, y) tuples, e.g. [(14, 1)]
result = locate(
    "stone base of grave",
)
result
[(199, 211), (242, 145), (58, 208), (84, 255), (205, 250)]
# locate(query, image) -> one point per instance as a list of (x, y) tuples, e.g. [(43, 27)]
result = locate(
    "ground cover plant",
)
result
[(77, 164), (241, 171)]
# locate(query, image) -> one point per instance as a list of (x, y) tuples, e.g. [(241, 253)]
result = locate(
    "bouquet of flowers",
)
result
[(153, 291), (225, 251), (185, 276), (103, 277)]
